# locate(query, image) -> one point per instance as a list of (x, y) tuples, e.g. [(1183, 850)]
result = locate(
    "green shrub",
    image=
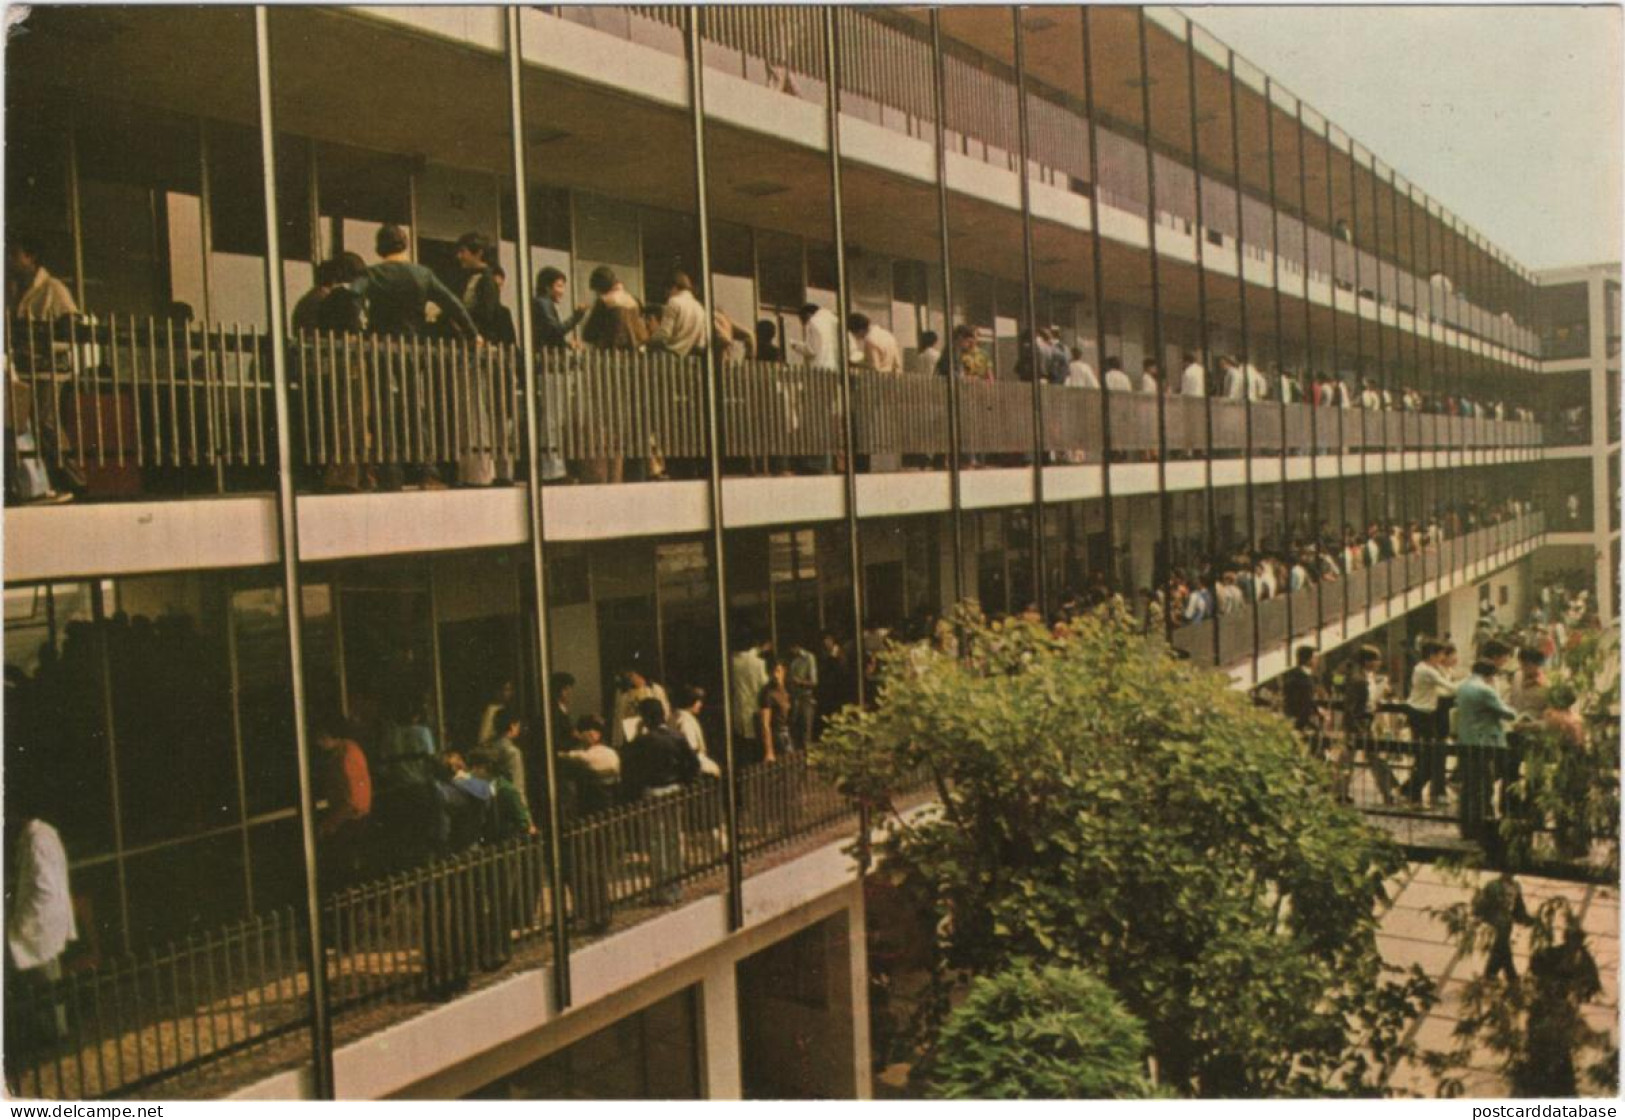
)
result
[(1040, 1034)]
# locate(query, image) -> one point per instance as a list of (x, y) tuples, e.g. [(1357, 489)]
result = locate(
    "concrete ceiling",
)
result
[(428, 98)]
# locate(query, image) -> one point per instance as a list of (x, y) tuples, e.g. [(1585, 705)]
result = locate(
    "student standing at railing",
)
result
[(656, 765), (615, 322), (1431, 685), (32, 292), (476, 465), (773, 709), (504, 745), (823, 336), (1359, 714), (878, 352), (35, 300), (342, 310), (683, 328), (930, 354), (1193, 380), (1079, 373), (398, 293), (1481, 716)]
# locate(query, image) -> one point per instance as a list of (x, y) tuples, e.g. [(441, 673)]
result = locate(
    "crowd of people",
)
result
[(402, 298), (1220, 586), (1047, 357), (1493, 705), (395, 798)]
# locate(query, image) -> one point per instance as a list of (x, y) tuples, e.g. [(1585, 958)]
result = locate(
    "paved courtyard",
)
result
[(1410, 934)]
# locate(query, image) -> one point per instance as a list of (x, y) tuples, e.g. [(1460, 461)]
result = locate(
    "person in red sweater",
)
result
[(345, 784)]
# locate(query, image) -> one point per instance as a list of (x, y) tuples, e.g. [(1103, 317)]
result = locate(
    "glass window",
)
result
[(795, 1016), (653, 1054)]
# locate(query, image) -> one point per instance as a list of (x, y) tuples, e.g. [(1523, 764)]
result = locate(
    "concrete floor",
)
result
[(1410, 934)]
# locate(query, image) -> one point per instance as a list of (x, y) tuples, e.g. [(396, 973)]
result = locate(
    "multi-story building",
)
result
[(1111, 181), (1578, 311)]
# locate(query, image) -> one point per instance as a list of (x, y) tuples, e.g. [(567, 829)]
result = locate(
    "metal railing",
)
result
[(1372, 586), (124, 1025), (1439, 795), (131, 406)]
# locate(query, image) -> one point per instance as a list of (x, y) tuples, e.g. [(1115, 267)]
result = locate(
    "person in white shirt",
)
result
[(821, 348), (1298, 577), (1080, 374), (1370, 399), (1430, 684), (632, 689), (1235, 385), (1264, 586), (877, 345), (1193, 381), (1291, 393), (39, 925), (37, 294), (1258, 386), (1116, 380), (685, 720), (1150, 378), (749, 671), (930, 355), (683, 327)]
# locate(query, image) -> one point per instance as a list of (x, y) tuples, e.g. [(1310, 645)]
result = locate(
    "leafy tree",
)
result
[(1101, 805), (1048, 1033)]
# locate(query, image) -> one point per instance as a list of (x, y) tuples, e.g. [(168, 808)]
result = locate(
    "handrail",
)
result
[(140, 405), (401, 939)]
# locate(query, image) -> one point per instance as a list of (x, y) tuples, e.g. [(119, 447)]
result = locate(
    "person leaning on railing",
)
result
[(398, 293)]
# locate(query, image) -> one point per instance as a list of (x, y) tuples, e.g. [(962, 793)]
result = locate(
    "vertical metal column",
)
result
[(313, 190), (1441, 424), (1315, 535), (287, 517), (431, 568), (1099, 282), (239, 777), (1280, 348), (1458, 488), (1203, 334), (849, 420), (1399, 397), (1030, 289), (1337, 380), (534, 518), (1416, 366), (205, 218), (110, 735), (1166, 505), (1246, 339), (939, 96), (1359, 362), (1097, 275), (76, 223)]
